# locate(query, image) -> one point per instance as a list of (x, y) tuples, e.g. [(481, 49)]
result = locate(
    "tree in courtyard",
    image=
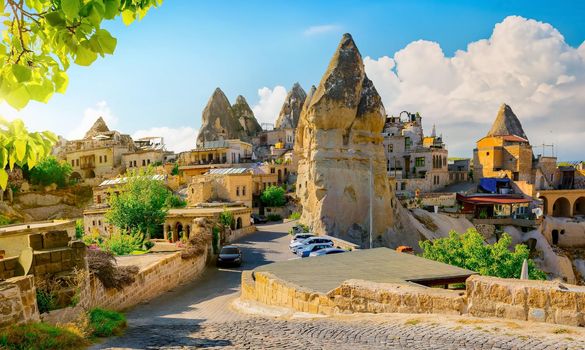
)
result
[(273, 196), (20, 147), (141, 203), (42, 38), (49, 171), (469, 251)]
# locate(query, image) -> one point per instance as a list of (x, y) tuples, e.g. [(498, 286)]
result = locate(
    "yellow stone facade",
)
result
[(499, 156)]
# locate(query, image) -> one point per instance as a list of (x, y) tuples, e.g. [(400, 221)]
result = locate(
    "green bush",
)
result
[(148, 244), (40, 336), (273, 217), (174, 201), (295, 216), (273, 196), (4, 220), (46, 300), (106, 323), (49, 171), (123, 244), (469, 251), (175, 170), (79, 231), (226, 218)]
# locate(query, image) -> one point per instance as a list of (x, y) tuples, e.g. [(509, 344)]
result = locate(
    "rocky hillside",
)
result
[(289, 115), (243, 113)]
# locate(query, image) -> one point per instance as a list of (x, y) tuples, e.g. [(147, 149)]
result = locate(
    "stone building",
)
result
[(416, 162), (231, 185), (150, 151), (214, 154)]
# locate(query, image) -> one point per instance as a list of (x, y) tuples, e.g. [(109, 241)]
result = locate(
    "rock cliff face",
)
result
[(338, 134), (243, 113), (288, 118), (506, 123), (98, 127), (220, 120)]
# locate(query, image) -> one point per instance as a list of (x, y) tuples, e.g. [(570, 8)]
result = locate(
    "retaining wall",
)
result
[(18, 303)]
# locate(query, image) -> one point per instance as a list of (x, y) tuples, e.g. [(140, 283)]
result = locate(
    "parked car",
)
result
[(308, 249), (259, 219), (311, 240), (229, 255), (327, 251), (301, 236)]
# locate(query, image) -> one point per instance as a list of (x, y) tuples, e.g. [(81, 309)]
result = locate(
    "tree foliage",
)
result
[(273, 196), (41, 38), (226, 218), (469, 251), (141, 203), (49, 171), (20, 147)]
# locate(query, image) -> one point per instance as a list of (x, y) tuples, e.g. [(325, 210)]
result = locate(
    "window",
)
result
[(144, 162), (100, 159), (237, 191), (99, 222), (419, 161), (487, 153), (407, 142), (243, 190), (403, 186), (390, 148), (98, 199), (77, 162), (272, 171), (72, 162), (105, 159), (148, 161), (93, 223), (134, 163)]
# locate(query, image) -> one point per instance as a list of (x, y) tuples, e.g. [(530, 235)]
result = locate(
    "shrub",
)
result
[(40, 336), (106, 323), (274, 217), (148, 244), (226, 218), (102, 264), (196, 246), (469, 251), (123, 244), (174, 201), (295, 215), (79, 229), (50, 171), (273, 196)]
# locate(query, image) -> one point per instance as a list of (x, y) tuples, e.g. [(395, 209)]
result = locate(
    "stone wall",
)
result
[(351, 296), (18, 303), (541, 301), (237, 234), (163, 275)]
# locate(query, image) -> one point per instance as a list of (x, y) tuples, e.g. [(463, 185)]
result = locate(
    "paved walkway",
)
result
[(199, 315)]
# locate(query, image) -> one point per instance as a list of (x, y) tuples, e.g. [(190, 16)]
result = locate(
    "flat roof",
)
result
[(228, 171), (382, 265), (34, 225), (203, 211)]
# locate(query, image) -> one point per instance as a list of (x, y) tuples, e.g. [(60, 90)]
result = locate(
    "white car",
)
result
[(308, 249), (311, 240), (301, 236), (327, 251)]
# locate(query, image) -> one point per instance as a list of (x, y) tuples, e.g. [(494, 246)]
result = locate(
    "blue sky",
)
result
[(166, 66)]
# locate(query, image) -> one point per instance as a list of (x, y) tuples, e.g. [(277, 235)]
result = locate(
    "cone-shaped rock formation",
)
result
[(288, 118), (218, 120), (506, 123), (338, 135), (98, 127), (243, 113)]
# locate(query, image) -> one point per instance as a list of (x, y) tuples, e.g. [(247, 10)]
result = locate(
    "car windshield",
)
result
[(229, 250)]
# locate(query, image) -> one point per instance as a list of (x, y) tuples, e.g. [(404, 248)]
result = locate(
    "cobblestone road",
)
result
[(198, 315)]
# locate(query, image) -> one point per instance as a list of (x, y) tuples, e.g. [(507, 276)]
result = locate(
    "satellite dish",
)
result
[(25, 261)]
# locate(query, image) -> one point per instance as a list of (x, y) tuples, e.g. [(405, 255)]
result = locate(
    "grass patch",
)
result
[(412, 322), (40, 336), (106, 323), (561, 331), (468, 321)]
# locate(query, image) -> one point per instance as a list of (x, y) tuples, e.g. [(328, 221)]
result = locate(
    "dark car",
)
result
[(259, 219), (230, 255)]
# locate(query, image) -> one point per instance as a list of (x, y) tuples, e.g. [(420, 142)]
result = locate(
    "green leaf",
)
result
[(112, 8), (106, 41), (128, 17), (84, 57), (20, 147), (3, 179), (61, 81), (18, 98), (55, 19), (21, 73), (71, 8)]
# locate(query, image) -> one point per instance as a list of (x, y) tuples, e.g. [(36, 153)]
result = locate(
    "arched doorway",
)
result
[(90, 174), (555, 237), (178, 231), (188, 231), (279, 176), (239, 223), (562, 208), (579, 207), (75, 177)]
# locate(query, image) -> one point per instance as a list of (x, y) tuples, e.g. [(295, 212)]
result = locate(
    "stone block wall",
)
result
[(237, 234), (59, 259), (8, 267), (155, 279), (540, 301), (18, 303), (351, 296)]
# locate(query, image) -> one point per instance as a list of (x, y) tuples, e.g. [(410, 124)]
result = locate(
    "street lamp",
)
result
[(371, 183)]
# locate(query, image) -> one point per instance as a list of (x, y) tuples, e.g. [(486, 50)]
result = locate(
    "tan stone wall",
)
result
[(150, 282), (18, 301), (541, 301), (351, 296)]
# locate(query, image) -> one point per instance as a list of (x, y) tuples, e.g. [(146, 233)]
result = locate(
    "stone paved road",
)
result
[(198, 315)]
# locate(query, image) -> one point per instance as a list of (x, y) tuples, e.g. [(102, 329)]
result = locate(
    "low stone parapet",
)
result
[(239, 233), (18, 303), (540, 301)]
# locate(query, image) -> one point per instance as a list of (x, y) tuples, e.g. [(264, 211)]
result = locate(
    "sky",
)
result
[(454, 62)]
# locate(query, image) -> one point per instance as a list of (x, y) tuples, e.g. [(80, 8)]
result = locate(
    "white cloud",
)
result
[(270, 103), (321, 29), (524, 63), (176, 139), (90, 115)]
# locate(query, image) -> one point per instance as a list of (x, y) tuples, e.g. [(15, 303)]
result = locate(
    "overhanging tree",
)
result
[(469, 251), (273, 196), (41, 38)]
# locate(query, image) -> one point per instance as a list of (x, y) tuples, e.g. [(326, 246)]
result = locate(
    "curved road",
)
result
[(198, 315)]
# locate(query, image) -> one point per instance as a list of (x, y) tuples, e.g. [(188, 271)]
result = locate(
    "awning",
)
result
[(490, 184), (502, 199)]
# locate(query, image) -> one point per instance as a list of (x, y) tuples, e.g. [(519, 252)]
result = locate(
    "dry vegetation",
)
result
[(103, 265), (196, 246)]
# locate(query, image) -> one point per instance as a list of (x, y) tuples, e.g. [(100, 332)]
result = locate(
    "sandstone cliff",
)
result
[(218, 120), (288, 118), (243, 113), (506, 123), (98, 127), (338, 134)]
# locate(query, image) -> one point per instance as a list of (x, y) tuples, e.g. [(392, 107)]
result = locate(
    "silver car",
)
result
[(327, 251)]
